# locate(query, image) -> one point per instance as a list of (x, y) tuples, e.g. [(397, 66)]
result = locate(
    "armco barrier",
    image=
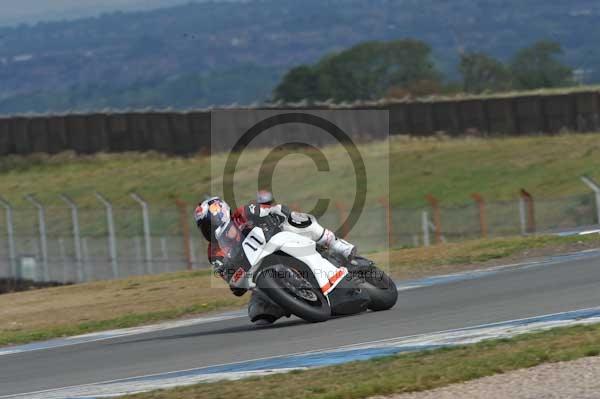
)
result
[(185, 133)]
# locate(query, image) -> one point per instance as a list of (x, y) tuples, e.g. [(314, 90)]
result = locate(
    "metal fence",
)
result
[(68, 244)]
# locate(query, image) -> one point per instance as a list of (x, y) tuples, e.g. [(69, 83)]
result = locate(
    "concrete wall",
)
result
[(186, 133)]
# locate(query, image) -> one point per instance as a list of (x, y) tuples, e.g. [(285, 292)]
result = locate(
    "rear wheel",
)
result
[(381, 288), (294, 293)]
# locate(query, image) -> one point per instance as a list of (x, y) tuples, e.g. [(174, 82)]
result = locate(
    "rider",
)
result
[(214, 218)]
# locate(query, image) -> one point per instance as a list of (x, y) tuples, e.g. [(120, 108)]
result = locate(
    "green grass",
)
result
[(450, 169), (426, 261), (125, 321), (405, 373), (498, 168), (83, 308), (486, 250), (548, 166)]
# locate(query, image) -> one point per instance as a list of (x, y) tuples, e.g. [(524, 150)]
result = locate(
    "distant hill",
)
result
[(31, 11), (198, 54)]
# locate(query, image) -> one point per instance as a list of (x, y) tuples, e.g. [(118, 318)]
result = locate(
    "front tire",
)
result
[(295, 294)]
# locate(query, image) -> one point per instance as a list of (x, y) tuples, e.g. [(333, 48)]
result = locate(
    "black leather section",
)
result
[(347, 298)]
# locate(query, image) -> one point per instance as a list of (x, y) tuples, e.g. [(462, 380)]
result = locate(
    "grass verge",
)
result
[(125, 321), (442, 167), (468, 255), (65, 311), (78, 309), (405, 373)]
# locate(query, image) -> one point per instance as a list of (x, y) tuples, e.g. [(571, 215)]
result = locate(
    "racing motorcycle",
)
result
[(305, 280)]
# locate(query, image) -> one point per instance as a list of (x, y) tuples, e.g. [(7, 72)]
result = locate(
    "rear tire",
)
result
[(381, 288), (278, 283)]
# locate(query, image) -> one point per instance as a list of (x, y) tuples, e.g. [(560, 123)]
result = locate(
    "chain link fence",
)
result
[(46, 246), (70, 245)]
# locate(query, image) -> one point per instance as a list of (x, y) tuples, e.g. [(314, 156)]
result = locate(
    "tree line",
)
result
[(405, 68)]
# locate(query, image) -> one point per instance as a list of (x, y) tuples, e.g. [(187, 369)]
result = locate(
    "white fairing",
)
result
[(256, 249), (254, 245)]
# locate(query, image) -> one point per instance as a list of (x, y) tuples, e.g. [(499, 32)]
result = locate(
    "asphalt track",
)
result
[(564, 284)]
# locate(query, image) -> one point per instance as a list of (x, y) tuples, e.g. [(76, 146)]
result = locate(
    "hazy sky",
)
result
[(16, 11)]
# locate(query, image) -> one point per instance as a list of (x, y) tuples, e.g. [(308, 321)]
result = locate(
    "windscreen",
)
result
[(230, 241)]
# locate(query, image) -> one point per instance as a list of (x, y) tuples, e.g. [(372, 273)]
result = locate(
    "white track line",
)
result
[(402, 286), (452, 337), (114, 334)]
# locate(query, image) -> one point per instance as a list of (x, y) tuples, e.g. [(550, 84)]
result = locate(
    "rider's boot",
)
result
[(343, 248), (336, 245), (262, 310)]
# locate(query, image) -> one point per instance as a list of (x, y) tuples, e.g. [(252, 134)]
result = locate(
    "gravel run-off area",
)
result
[(576, 379)]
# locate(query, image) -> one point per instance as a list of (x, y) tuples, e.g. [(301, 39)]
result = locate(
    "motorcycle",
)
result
[(305, 280)]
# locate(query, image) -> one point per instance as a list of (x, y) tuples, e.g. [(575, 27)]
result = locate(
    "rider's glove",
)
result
[(220, 268), (226, 270)]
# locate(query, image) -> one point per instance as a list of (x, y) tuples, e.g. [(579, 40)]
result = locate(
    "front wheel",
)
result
[(294, 293)]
